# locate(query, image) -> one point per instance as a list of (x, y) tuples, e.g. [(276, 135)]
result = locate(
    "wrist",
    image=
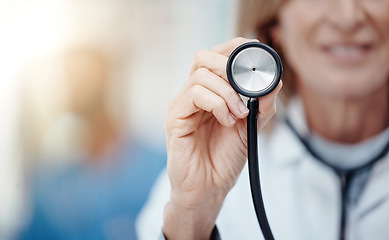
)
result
[(181, 222)]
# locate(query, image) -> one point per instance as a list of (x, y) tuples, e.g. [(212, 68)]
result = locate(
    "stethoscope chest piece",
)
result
[(254, 69)]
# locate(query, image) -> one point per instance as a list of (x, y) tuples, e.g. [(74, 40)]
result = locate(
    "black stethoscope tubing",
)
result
[(252, 131), (255, 183), (345, 176)]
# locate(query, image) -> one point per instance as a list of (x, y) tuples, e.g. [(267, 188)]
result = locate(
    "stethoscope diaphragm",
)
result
[(254, 69)]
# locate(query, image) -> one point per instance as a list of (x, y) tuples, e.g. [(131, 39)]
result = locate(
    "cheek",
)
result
[(298, 31), (336, 81), (349, 84), (363, 79)]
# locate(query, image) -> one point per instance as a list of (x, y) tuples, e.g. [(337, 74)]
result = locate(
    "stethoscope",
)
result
[(345, 175), (254, 70)]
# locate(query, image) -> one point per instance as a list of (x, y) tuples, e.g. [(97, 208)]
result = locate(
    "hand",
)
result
[(206, 143)]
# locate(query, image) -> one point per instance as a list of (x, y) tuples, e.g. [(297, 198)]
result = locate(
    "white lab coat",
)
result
[(302, 197)]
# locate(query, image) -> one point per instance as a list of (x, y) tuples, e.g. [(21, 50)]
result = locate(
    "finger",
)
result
[(223, 89), (229, 46), (200, 98), (211, 102), (215, 62), (267, 105)]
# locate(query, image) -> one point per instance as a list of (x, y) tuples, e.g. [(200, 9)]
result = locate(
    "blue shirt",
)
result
[(94, 201)]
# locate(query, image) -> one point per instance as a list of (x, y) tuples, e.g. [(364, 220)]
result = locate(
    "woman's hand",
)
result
[(206, 143)]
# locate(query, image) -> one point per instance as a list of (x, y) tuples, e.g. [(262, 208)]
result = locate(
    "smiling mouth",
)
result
[(348, 53)]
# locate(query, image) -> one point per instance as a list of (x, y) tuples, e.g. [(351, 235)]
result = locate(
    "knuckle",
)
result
[(220, 105), (199, 59), (171, 105), (230, 92), (199, 55), (195, 91), (200, 74), (240, 39), (195, 94), (215, 48), (169, 124)]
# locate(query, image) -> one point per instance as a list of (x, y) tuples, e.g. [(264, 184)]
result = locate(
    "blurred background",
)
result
[(84, 85)]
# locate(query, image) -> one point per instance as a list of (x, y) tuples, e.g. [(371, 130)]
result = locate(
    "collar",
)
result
[(284, 150), (288, 151)]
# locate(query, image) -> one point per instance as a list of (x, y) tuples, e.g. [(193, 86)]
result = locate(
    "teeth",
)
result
[(346, 51)]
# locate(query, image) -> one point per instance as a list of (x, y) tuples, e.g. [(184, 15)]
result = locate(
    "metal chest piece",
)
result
[(254, 69)]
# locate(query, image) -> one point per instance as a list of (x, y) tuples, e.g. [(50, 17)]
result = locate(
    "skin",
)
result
[(345, 96), (206, 135), (344, 93)]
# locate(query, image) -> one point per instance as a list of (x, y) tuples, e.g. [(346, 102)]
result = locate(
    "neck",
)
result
[(346, 120)]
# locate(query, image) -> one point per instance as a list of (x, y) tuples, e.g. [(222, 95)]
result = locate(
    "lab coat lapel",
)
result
[(300, 187), (377, 187), (370, 219)]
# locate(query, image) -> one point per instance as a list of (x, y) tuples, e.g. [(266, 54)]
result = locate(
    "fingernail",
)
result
[(231, 119), (242, 108)]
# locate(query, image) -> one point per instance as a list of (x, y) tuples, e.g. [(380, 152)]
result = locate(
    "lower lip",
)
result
[(348, 55)]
